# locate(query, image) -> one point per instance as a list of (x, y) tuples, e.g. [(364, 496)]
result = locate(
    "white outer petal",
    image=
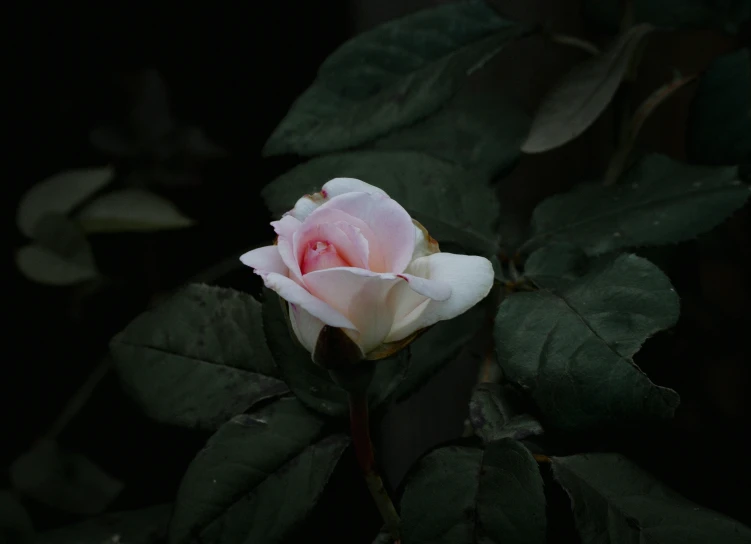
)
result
[(339, 186), (470, 278), (295, 294), (264, 259), (361, 295), (305, 206), (305, 326)]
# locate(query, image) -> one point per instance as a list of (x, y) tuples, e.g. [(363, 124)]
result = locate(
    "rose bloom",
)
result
[(353, 258)]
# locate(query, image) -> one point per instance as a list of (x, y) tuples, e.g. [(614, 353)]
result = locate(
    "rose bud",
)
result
[(352, 257)]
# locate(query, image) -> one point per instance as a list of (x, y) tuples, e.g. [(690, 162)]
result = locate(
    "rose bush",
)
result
[(352, 257)]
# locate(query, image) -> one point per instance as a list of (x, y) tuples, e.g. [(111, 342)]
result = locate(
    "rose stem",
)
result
[(360, 427)]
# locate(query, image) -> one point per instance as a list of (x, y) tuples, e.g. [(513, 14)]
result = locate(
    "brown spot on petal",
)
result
[(432, 243), (317, 198)]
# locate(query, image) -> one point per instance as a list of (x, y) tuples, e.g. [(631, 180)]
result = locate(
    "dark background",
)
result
[(233, 71)]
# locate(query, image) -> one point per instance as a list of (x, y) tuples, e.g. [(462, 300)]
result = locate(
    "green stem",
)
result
[(360, 427), (78, 400)]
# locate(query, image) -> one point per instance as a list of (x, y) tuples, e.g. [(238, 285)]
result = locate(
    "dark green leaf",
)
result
[(720, 119), (391, 77), (583, 94), (616, 501), (475, 130), (15, 523), (257, 477), (437, 347), (660, 201), (572, 349), (493, 416), (727, 15), (64, 480), (460, 495), (147, 526), (455, 205), (61, 255), (555, 265), (198, 358), (312, 383), (59, 194)]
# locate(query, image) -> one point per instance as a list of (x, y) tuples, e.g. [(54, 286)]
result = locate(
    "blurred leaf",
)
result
[(493, 417), (131, 210), (390, 77), (59, 194), (659, 201), (147, 526), (62, 256), (616, 501), (455, 205), (438, 346), (720, 118), (184, 141), (582, 95), (479, 131), (727, 15), (15, 522), (572, 349), (312, 383), (555, 265), (197, 359), (199, 146), (63, 480), (150, 117), (257, 478), (112, 141), (460, 495)]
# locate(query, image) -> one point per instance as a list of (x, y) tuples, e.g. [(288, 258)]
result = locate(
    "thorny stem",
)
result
[(360, 427)]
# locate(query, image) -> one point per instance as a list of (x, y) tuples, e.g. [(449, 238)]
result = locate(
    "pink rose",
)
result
[(353, 258)]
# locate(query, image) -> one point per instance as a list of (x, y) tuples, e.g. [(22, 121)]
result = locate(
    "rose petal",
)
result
[(340, 186), (305, 326), (361, 295), (305, 206), (265, 259), (391, 224), (358, 252), (349, 243), (295, 294), (433, 289), (286, 228), (470, 278), (331, 215)]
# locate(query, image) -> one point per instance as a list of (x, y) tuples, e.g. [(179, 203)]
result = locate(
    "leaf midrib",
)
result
[(190, 358), (628, 208)]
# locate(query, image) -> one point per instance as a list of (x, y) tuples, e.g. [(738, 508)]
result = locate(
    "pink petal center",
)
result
[(320, 255)]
